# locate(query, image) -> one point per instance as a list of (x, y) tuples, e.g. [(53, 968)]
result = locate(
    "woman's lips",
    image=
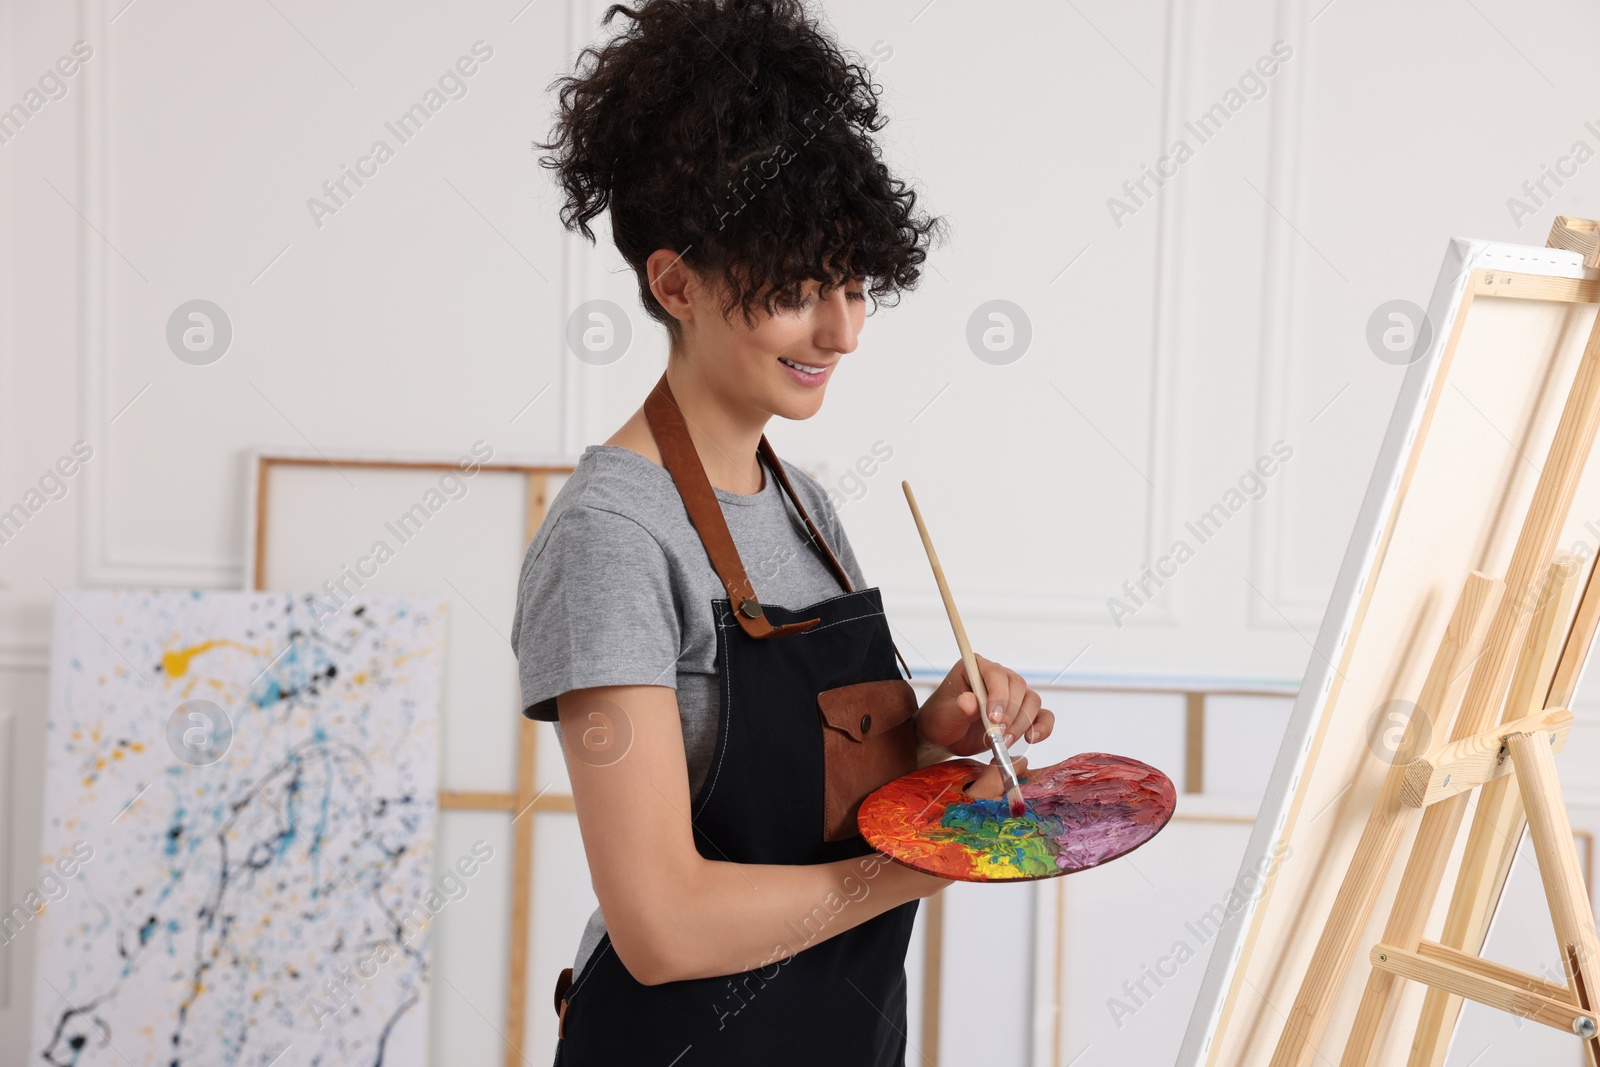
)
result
[(806, 378)]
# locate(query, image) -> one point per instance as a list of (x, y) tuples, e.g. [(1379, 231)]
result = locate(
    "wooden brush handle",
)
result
[(967, 658)]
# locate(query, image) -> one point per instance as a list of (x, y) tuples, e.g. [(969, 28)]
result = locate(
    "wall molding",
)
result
[(1280, 260), (8, 841), (99, 562), (1171, 208)]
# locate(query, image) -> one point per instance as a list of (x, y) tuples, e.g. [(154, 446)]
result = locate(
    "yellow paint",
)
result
[(176, 662), (987, 866)]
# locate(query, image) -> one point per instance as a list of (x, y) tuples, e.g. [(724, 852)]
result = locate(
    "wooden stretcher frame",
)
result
[(524, 797), (1220, 1030)]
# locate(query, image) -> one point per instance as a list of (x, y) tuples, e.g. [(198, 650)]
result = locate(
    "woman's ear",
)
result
[(673, 283)]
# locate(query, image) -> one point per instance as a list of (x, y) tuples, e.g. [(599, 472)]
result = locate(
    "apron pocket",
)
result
[(869, 738)]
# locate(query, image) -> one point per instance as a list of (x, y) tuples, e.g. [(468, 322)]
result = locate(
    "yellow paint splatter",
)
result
[(176, 662)]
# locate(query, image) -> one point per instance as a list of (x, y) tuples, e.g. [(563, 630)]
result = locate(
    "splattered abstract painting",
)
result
[(1080, 813), (243, 787)]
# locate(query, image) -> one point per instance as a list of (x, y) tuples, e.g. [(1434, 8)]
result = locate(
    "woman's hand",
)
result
[(949, 718)]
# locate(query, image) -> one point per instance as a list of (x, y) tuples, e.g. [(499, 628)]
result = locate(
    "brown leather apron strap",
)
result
[(683, 463), (765, 449), (671, 435), (816, 535)]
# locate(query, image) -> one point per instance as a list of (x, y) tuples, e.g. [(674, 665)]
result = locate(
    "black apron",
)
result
[(772, 795)]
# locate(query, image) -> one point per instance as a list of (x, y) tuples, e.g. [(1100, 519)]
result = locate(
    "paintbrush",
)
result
[(995, 732)]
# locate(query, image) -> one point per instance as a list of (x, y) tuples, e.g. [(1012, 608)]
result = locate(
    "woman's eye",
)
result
[(800, 303)]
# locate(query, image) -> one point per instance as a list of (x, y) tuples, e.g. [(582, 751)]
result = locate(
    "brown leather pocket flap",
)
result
[(867, 709)]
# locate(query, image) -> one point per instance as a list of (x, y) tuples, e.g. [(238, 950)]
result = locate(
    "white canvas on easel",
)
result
[(1456, 472)]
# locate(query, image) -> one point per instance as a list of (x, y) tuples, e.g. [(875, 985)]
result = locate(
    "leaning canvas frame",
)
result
[(1209, 1039), (525, 796)]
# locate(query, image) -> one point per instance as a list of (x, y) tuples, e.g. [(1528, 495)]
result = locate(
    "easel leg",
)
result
[(1430, 853), (1419, 886), (1491, 849), (1548, 671), (1380, 840), (1551, 831)]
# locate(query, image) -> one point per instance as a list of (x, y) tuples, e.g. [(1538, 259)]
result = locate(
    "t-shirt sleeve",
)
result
[(594, 607)]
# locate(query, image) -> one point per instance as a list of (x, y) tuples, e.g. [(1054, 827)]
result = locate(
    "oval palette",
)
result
[(1081, 812)]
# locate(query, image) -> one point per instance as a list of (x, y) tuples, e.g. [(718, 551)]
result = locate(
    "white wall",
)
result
[(1168, 353)]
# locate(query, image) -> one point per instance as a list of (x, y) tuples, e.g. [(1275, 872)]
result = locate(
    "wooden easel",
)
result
[(1522, 751), (1530, 631), (1492, 846), (1500, 818)]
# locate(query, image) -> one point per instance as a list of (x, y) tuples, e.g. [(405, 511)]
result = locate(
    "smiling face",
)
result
[(779, 366)]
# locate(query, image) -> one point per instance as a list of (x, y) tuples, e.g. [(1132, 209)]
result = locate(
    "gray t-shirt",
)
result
[(616, 589)]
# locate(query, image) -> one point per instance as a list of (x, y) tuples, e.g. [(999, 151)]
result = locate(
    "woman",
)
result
[(690, 612)]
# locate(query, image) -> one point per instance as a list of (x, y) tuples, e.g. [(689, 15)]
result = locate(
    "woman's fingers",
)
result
[(1011, 703), (1009, 698), (1003, 702), (1022, 725), (989, 785)]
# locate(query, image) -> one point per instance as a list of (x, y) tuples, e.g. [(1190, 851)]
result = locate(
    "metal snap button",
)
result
[(866, 723), (752, 608)]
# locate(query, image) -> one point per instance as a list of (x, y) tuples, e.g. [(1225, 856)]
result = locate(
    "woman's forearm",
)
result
[(673, 914), (731, 917)]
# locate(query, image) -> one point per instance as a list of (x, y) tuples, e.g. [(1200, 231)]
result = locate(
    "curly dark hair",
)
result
[(736, 133)]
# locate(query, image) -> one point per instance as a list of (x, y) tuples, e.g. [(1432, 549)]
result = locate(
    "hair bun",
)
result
[(737, 133)]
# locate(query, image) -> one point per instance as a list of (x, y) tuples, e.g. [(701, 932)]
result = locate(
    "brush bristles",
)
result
[(1014, 799)]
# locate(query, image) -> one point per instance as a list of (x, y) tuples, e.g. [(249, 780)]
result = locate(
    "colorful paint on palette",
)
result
[(1080, 813)]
